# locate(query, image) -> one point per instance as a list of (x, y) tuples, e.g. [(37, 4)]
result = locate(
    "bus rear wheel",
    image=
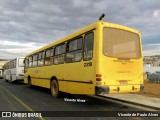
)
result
[(54, 88), (30, 82)]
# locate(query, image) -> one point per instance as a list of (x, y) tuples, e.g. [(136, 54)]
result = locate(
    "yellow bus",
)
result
[(100, 58)]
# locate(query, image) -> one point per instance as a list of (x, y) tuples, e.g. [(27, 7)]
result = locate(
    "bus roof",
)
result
[(113, 25), (82, 31)]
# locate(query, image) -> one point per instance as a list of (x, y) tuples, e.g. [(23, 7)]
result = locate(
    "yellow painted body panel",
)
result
[(124, 89), (112, 70)]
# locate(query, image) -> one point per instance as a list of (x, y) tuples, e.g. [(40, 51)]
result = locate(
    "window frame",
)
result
[(123, 58), (30, 66), (26, 61), (84, 45), (19, 62), (68, 51), (35, 60), (41, 59), (51, 56), (55, 55)]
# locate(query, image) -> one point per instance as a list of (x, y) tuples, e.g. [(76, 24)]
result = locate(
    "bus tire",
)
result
[(11, 80), (30, 82), (55, 89), (6, 79)]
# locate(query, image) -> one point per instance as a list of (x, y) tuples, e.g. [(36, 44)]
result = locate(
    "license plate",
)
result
[(123, 82)]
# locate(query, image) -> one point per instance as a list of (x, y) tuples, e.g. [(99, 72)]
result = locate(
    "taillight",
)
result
[(98, 79), (98, 75)]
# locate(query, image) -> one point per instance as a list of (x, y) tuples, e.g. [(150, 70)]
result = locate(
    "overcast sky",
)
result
[(26, 25)]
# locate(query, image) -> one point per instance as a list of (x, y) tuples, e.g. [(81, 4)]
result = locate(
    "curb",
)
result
[(130, 102)]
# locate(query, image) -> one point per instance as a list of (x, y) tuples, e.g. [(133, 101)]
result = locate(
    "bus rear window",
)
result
[(21, 62), (121, 44)]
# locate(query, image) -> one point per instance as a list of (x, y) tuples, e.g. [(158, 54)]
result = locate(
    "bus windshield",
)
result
[(121, 44), (20, 62)]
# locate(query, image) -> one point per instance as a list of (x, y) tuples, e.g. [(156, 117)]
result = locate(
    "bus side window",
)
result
[(10, 65), (30, 61), (88, 46), (48, 59), (41, 58), (14, 63), (34, 60), (59, 54), (52, 55), (74, 50), (26, 62)]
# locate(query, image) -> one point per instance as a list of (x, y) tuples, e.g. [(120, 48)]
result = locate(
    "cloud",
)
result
[(16, 49), (151, 49), (41, 22), (156, 13)]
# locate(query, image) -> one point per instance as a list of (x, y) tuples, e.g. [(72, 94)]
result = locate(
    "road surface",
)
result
[(21, 97)]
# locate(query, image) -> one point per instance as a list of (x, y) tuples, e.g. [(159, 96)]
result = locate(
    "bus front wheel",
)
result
[(5, 79), (54, 88)]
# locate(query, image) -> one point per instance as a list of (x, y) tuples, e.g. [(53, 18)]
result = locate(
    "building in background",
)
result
[(151, 60), (151, 64)]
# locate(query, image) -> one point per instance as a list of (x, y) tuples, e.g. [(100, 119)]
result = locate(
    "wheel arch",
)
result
[(29, 77)]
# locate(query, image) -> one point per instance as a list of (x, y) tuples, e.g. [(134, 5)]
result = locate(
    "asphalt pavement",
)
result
[(21, 97)]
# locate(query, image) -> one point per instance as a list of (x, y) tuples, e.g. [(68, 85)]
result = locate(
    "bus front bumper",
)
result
[(118, 89)]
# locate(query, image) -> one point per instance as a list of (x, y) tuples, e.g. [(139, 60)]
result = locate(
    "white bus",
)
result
[(1, 74), (14, 70)]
